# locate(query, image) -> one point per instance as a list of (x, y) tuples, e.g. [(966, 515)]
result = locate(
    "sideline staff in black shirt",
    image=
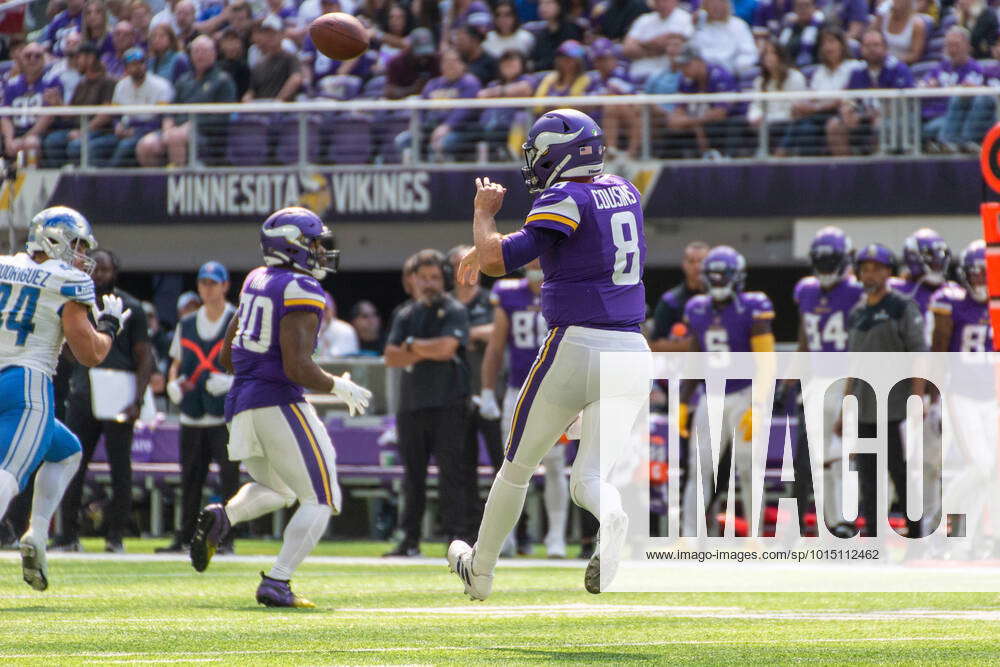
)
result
[(131, 352), (427, 339)]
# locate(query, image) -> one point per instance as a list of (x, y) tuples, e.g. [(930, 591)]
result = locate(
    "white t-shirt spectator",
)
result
[(495, 45), (776, 111), (650, 26), (154, 90), (729, 43), (338, 339), (832, 79)]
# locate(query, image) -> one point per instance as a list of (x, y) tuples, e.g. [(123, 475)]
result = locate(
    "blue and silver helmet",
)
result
[(723, 271), (60, 232), (564, 143)]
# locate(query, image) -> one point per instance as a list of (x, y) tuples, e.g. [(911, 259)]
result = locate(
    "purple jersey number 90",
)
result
[(255, 316)]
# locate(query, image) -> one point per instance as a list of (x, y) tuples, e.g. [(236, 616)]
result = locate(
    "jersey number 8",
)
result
[(626, 270)]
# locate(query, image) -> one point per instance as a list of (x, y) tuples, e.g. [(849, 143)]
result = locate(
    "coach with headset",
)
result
[(882, 321), (427, 339)]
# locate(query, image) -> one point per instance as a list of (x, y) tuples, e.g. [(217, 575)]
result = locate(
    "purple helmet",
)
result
[(562, 144), (876, 252), (723, 271), (830, 255), (927, 256), (972, 270), (295, 236)]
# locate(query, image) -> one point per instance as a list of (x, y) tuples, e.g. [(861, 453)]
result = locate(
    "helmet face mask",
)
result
[(723, 273), (297, 238), (830, 256), (927, 256), (63, 234), (972, 271)]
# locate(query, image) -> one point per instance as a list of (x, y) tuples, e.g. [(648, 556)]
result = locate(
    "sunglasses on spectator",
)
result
[(31, 56)]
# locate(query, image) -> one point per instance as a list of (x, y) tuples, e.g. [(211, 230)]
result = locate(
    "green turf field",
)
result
[(121, 611)]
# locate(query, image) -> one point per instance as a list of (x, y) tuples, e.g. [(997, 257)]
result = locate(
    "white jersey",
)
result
[(32, 297)]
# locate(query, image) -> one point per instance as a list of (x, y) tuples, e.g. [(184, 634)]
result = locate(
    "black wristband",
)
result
[(108, 325)]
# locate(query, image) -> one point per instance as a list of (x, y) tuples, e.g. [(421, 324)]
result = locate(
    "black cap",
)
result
[(88, 47)]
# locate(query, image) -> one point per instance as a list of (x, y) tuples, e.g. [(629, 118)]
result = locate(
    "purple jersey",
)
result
[(268, 294), (946, 75), (527, 328), (727, 328), (970, 319), (61, 26), (21, 94), (920, 292), (593, 277), (824, 312)]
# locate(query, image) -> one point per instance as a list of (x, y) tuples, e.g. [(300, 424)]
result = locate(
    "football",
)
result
[(339, 36)]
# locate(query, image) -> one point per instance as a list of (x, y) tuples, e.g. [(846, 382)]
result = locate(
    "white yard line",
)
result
[(567, 563), (149, 661), (581, 610), (481, 648)]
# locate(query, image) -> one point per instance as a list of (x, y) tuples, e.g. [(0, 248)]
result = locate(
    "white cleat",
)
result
[(603, 565), (34, 567), (477, 586)]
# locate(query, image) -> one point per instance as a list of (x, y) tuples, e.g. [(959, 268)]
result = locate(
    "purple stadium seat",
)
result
[(374, 89), (248, 141), (388, 124), (933, 35), (287, 149), (935, 49), (349, 139)]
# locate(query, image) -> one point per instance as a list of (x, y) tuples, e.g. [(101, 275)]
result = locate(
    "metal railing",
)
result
[(383, 132)]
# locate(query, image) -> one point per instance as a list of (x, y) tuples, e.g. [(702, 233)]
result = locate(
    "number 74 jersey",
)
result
[(824, 312), (32, 296), (593, 277), (268, 294)]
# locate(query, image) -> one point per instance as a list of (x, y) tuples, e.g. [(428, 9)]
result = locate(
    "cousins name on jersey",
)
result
[(259, 194), (616, 196)]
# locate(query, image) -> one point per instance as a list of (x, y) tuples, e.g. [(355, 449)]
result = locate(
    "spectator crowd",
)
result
[(122, 52)]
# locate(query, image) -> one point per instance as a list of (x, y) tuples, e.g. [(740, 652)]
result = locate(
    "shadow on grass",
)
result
[(33, 609)]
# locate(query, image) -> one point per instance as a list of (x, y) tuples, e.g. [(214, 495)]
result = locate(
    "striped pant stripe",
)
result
[(534, 380), (312, 455)]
